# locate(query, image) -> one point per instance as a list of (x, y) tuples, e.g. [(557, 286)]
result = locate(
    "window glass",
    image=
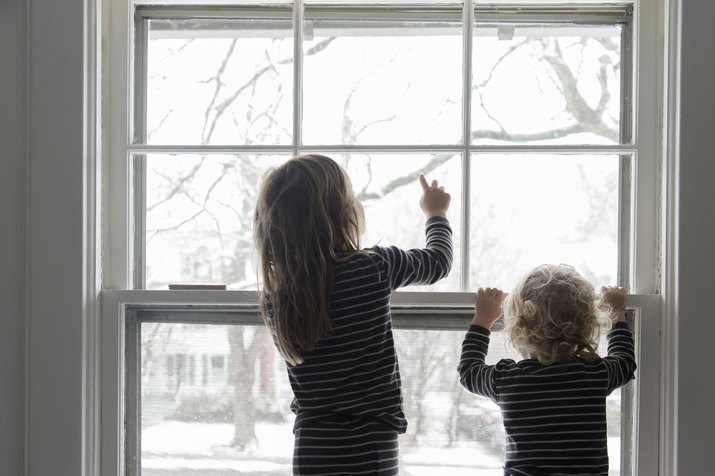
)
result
[(546, 84), (197, 419), (388, 188), (199, 218), (225, 81), (374, 81), (524, 210), (527, 210), (199, 212)]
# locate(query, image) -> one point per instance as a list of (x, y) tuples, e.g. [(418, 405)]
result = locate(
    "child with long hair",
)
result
[(553, 402), (326, 302)]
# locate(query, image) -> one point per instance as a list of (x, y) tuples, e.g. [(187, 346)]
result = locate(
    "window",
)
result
[(528, 114)]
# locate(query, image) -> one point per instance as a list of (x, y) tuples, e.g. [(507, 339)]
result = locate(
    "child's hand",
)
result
[(434, 201), (488, 308), (613, 300)]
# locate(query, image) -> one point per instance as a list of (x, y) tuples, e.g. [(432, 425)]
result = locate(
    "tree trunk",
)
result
[(242, 368)]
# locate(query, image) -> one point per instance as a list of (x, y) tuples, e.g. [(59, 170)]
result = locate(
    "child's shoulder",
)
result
[(534, 367), (381, 254), (364, 259), (507, 365)]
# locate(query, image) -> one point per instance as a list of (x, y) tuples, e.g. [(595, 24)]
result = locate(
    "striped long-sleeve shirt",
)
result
[(554, 415), (354, 371)]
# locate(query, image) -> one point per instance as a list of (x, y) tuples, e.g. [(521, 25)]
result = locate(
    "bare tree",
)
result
[(242, 363)]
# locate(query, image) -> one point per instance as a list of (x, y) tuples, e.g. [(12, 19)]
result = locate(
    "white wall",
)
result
[(696, 242), (56, 239), (56, 323), (12, 232)]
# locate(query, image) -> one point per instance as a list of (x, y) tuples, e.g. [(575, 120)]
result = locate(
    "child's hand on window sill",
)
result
[(613, 301), (488, 308)]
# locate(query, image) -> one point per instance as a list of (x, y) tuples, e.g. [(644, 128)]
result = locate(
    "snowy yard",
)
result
[(179, 448)]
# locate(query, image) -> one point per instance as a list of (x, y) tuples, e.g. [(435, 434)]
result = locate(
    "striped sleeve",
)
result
[(474, 374), (621, 361), (421, 266)]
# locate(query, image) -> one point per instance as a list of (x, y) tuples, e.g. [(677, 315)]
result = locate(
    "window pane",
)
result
[(199, 212), (532, 209), (219, 82), (546, 84), (382, 81), (202, 419), (199, 218), (388, 188)]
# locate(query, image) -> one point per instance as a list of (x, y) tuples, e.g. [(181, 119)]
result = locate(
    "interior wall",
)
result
[(696, 242), (12, 235), (57, 304)]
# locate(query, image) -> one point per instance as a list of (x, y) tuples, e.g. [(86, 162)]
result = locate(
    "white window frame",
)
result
[(118, 233)]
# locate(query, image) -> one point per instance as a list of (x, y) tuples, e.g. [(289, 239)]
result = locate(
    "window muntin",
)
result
[(470, 212)]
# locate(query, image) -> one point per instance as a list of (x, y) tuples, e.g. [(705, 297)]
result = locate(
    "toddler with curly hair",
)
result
[(553, 402)]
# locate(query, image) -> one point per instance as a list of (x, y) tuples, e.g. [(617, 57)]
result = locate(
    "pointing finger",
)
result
[(423, 182)]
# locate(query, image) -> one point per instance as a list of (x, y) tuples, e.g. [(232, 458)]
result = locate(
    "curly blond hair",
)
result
[(552, 315)]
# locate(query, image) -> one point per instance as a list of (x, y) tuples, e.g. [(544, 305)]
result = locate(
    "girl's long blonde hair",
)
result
[(307, 218), (552, 315)]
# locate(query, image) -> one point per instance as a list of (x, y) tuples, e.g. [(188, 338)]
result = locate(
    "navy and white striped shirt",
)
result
[(354, 371), (554, 415)]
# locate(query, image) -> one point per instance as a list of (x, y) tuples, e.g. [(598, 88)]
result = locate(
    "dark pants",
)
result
[(345, 446)]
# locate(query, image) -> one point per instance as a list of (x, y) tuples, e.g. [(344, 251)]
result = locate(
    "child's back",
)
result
[(354, 370)]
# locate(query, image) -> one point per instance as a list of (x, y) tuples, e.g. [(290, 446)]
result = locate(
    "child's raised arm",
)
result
[(433, 262), (474, 374)]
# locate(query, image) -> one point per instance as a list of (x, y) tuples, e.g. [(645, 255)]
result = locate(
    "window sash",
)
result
[(411, 310), (118, 258), (471, 16), (411, 314)]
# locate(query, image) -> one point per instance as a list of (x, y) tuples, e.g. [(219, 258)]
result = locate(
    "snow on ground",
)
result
[(173, 448), (180, 448)]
